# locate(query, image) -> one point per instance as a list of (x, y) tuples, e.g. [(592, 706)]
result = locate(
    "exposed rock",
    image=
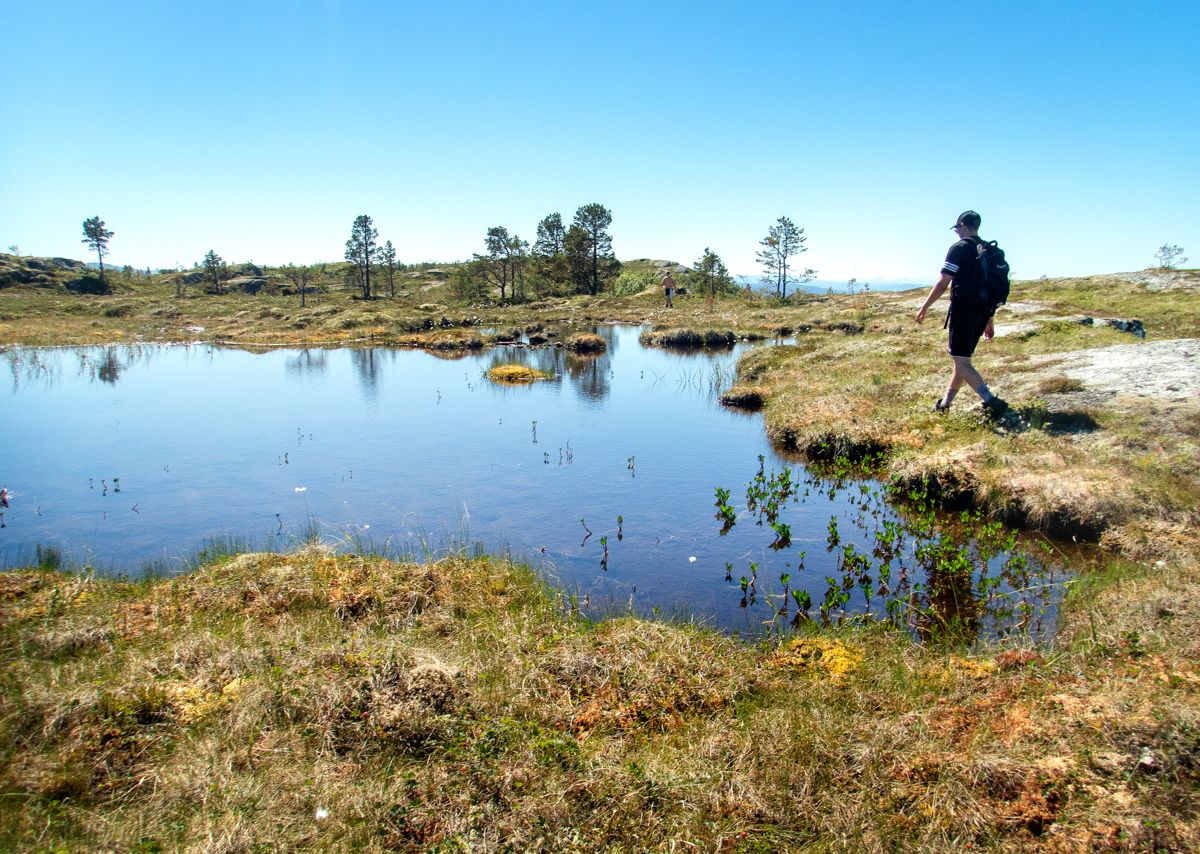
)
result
[(1132, 326), (40, 272), (1160, 369), (247, 284), (55, 264), (1164, 280), (1004, 329)]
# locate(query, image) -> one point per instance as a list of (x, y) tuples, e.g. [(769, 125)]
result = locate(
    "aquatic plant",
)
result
[(724, 511), (902, 563)]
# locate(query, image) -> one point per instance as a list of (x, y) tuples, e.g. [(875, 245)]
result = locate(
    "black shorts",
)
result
[(966, 328)]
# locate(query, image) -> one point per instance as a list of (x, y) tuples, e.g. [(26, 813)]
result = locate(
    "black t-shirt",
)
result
[(962, 264)]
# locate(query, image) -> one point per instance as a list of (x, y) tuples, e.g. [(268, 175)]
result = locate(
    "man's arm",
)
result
[(935, 293)]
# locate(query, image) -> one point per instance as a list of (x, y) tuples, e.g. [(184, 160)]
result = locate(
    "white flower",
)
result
[(321, 814)]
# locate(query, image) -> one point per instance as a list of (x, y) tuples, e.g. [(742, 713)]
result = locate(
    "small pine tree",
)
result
[(96, 236), (1169, 256)]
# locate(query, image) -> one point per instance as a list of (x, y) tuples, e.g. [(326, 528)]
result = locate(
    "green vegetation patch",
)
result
[(689, 339)]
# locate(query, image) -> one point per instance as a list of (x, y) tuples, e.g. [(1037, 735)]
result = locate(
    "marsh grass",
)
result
[(585, 343), (347, 702), (744, 397), (516, 374)]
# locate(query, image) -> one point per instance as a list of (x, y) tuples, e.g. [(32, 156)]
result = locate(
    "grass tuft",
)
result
[(516, 374), (744, 397), (585, 343)]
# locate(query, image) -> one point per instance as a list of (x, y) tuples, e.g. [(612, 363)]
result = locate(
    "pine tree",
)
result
[(96, 236), (589, 251), (215, 270), (549, 252), (783, 241), (710, 275), (388, 256), (362, 250)]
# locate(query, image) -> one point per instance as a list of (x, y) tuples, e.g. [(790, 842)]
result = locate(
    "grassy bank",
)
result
[(272, 702)]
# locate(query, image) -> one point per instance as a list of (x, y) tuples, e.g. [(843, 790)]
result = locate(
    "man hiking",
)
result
[(668, 284), (970, 317)]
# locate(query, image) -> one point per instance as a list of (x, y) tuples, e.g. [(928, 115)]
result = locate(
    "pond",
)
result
[(605, 478)]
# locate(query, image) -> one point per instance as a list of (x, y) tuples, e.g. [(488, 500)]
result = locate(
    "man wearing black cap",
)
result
[(969, 317)]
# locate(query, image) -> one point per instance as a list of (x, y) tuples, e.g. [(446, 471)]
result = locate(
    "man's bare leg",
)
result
[(965, 373)]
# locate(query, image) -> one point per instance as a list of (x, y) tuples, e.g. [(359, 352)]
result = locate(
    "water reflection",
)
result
[(398, 449), (366, 361), (109, 368), (908, 566), (307, 364), (44, 366)]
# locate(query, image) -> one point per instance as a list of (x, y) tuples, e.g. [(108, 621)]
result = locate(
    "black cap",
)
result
[(968, 218)]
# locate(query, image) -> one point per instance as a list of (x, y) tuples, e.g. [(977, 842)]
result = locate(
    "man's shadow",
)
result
[(1056, 423)]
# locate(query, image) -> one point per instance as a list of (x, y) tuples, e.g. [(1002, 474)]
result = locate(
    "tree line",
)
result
[(562, 260), (575, 259)]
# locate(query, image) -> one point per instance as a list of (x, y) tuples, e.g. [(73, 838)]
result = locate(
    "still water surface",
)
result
[(122, 457)]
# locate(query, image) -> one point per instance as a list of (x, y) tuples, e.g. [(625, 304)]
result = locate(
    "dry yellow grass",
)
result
[(312, 701), (516, 374), (586, 343)]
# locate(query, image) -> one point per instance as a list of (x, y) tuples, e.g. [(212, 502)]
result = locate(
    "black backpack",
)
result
[(994, 287)]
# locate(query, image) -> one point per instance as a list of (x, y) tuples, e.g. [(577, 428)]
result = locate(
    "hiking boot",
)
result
[(994, 408), (941, 408)]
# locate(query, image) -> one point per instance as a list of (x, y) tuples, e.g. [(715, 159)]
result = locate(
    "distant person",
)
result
[(668, 284), (969, 318)]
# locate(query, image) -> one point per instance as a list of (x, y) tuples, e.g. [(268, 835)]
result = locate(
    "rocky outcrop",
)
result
[(247, 284), (42, 272)]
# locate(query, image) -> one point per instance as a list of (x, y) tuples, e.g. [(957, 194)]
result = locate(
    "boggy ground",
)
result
[(341, 702)]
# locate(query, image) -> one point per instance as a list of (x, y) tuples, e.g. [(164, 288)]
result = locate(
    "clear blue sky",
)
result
[(262, 129)]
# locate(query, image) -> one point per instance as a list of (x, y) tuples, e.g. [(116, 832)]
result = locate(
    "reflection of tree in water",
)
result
[(590, 374), (108, 363), (109, 366), (366, 361), (32, 366), (307, 363)]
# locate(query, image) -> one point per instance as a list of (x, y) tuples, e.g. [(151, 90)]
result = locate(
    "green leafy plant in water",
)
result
[(833, 539), (783, 535), (973, 570), (724, 511)]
